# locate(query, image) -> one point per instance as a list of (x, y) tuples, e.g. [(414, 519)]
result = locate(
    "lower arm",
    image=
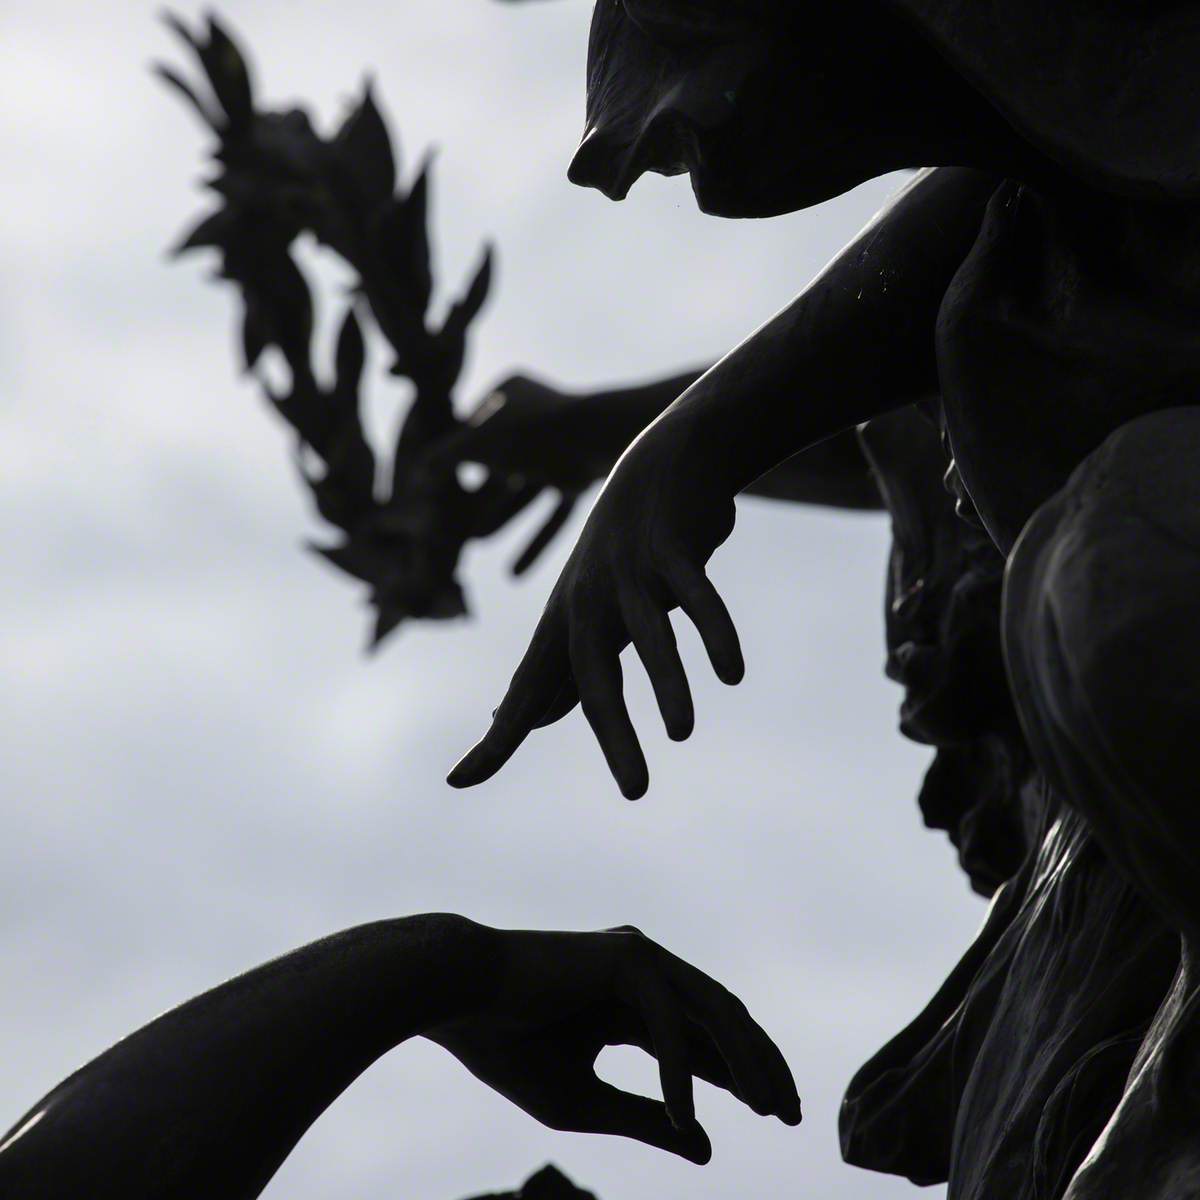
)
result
[(618, 415), (210, 1098), (857, 342), (834, 474)]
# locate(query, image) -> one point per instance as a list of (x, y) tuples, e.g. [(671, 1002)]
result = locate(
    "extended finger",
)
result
[(567, 698), (761, 1074), (668, 1036), (533, 689), (596, 665), (654, 639), (785, 1100), (706, 610), (606, 1109)]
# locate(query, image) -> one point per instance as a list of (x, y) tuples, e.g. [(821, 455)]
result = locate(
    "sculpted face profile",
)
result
[(774, 105), (942, 609), (942, 619), (769, 107)]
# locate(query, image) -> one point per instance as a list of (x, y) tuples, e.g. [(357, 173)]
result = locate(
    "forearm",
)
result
[(857, 342), (832, 473), (209, 1099), (617, 415)]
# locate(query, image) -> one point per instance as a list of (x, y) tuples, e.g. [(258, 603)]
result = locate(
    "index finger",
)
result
[(535, 687), (763, 1078)]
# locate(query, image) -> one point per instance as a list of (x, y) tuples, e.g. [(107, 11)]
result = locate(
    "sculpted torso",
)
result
[(1073, 314)]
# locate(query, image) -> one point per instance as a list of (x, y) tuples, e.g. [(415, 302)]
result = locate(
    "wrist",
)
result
[(463, 965), (599, 431), (690, 453), (403, 977)]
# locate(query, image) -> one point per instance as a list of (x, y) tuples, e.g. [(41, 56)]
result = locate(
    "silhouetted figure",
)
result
[(720, 95), (1021, 1057), (1043, 283), (1005, 1081), (208, 1100), (1100, 624), (943, 582)]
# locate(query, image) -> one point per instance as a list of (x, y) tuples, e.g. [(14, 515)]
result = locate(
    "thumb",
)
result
[(485, 444), (606, 1109)]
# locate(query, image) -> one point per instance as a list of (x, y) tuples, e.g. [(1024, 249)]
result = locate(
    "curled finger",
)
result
[(668, 1036), (706, 610), (654, 639), (596, 665), (757, 1066)]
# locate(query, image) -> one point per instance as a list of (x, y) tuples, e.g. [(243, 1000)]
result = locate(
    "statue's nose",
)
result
[(597, 164)]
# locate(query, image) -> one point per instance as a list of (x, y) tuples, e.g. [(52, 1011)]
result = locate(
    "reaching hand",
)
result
[(641, 554), (529, 432), (565, 996), (525, 427)]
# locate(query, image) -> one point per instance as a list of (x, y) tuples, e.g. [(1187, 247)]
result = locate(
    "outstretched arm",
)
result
[(210, 1099), (571, 440), (859, 341), (532, 437), (833, 474)]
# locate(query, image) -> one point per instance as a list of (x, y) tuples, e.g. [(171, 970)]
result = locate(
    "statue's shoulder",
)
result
[(1109, 90)]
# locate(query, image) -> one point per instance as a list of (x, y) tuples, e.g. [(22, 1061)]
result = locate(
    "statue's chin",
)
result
[(751, 194), (716, 202)]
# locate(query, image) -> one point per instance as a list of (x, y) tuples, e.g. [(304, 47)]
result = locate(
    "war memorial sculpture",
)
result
[(1006, 360)]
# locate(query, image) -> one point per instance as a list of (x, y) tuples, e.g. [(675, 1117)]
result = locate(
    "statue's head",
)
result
[(769, 105), (943, 592), (773, 105), (944, 647)]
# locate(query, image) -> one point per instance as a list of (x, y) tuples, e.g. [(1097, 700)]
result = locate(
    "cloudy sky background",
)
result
[(200, 767)]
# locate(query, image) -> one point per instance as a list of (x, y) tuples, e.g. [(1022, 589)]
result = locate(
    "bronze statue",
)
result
[(942, 603), (209, 1099), (1021, 318), (1041, 282)]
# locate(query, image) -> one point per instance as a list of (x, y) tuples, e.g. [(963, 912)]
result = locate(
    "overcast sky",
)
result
[(201, 769)]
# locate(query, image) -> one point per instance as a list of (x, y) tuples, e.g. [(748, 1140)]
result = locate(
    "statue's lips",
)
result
[(920, 669), (945, 690), (912, 663)]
